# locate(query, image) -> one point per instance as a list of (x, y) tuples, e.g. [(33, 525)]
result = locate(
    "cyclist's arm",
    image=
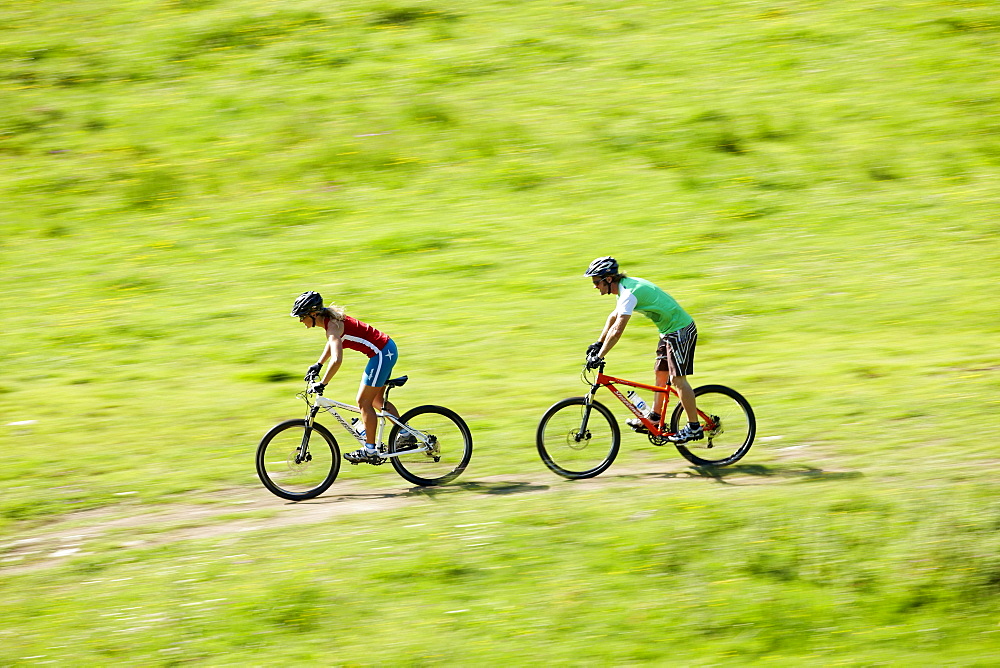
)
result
[(613, 331), (615, 325), (607, 326), (334, 351)]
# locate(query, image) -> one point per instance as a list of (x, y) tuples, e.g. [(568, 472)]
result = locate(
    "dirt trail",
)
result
[(252, 508)]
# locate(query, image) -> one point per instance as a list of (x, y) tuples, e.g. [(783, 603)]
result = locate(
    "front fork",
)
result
[(588, 405), (303, 454)]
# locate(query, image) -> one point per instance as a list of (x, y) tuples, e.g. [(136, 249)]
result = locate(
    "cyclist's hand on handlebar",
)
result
[(593, 361), (593, 349), (313, 372), (317, 388)]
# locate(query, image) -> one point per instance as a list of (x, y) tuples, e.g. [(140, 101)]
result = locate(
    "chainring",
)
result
[(658, 440)]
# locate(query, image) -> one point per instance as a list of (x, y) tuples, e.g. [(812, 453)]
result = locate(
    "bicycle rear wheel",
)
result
[(288, 474), (575, 446), (731, 433), (444, 455)]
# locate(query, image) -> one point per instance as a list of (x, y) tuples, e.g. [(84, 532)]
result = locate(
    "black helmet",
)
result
[(603, 266), (307, 304)]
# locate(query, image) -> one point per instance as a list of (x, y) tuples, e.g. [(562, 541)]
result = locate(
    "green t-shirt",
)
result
[(637, 294)]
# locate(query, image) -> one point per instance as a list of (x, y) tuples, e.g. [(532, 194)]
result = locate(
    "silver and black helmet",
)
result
[(307, 304), (603, 266)]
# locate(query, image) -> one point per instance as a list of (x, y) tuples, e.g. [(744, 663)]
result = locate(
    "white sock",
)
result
[(370, 447)]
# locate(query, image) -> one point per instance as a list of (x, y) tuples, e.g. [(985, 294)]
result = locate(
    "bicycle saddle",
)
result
[(397, 382)]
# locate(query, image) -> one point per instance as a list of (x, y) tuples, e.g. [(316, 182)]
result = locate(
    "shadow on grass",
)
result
[(495, 488), (798, 472)]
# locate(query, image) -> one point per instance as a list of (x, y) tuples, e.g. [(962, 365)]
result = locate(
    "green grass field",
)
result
[(816, 182)]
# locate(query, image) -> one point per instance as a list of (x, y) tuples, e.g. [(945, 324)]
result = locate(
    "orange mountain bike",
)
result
[(579, 437)]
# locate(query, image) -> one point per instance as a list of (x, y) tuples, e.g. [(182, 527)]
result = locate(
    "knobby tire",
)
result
[(569, 453), (453, 446), (283, 477), (739, 426)]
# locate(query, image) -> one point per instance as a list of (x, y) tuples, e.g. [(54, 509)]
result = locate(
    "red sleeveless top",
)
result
[(363, 337)]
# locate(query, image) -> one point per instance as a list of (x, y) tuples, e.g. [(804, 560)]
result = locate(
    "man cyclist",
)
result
[(675, 352), (343, 331)]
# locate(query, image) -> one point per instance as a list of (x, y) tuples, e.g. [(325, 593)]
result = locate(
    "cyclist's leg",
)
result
[(371, 393), (368, 453), (654, 411), (379, 403), (661, 369), (366, 402), (680, 346), (688, 400)]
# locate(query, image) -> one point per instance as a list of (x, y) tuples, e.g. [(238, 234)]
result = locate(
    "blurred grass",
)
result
[(708, 576), (816, 183)]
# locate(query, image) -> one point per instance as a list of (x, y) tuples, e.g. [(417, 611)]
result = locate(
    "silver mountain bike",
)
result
[(299, 459)]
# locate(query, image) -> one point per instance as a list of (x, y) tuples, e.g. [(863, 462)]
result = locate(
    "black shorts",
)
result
[(675, 353)]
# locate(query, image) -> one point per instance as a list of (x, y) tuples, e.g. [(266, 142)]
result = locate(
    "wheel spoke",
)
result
[(574, 448), (287, 472), (439, 448), (729, 431)]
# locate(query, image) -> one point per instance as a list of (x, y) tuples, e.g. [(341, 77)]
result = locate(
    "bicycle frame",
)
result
[(331, 406), (655, 430)]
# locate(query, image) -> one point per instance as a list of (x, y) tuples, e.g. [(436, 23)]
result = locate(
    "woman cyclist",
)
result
[(343, 331)]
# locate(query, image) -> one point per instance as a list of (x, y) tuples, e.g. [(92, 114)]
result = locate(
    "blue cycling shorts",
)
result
[(380, 366)]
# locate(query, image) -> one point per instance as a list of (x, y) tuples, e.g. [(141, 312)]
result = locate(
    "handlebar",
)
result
[(588, 368), (310, 391)]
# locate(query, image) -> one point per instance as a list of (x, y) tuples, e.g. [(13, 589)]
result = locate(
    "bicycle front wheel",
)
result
[(729, 430), (441, 444), (576, 440), (294, 469)]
